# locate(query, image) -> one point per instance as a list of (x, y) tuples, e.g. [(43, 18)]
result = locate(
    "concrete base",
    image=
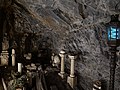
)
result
[(72, 81)]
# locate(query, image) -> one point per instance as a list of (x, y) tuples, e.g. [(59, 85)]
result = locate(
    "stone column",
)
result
[(20, 67), (13, 57), (52, 59), (62, 55), (72, 80), (97, 85), (72, 65), (20, 88)]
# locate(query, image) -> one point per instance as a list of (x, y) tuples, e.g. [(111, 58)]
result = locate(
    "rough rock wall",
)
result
[(73, 25)]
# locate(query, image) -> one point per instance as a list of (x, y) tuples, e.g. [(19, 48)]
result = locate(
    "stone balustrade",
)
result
[(71, 79)]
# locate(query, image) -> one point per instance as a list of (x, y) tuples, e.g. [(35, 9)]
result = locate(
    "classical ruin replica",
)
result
[(59, 44), (62, 73), (72, 79), (13, 57), (4, 54)]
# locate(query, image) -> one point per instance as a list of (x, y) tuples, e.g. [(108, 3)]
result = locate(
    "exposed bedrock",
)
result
[(72, 25)]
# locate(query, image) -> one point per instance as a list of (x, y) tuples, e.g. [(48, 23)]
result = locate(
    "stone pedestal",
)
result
[(72, 81), (13, 57), (4, 58), (62, 73)]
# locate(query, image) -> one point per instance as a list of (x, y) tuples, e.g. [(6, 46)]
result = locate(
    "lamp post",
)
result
[(113, 28)]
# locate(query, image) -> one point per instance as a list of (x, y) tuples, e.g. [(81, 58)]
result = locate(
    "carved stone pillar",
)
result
[(72, 80), (4, 54), (62, 73), (13, 57), (4, 58), (52, 59)]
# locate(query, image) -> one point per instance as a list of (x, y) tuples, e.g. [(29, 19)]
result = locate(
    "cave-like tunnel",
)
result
[(40, 36)]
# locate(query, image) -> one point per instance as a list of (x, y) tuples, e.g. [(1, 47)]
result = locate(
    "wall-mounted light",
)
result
[(113, 29)]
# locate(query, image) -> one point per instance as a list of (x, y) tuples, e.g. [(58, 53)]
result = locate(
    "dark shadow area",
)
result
[(2, 19), (53, 79), (104, 84)]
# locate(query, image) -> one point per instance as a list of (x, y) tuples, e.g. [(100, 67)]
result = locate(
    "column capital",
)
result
[(72, 57), (62, 53), (13, 51)]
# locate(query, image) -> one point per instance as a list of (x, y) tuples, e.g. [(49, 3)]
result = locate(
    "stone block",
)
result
[(4, 58), (72, 81)]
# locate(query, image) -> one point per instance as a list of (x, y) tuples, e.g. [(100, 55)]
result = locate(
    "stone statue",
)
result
[(5, 43)]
